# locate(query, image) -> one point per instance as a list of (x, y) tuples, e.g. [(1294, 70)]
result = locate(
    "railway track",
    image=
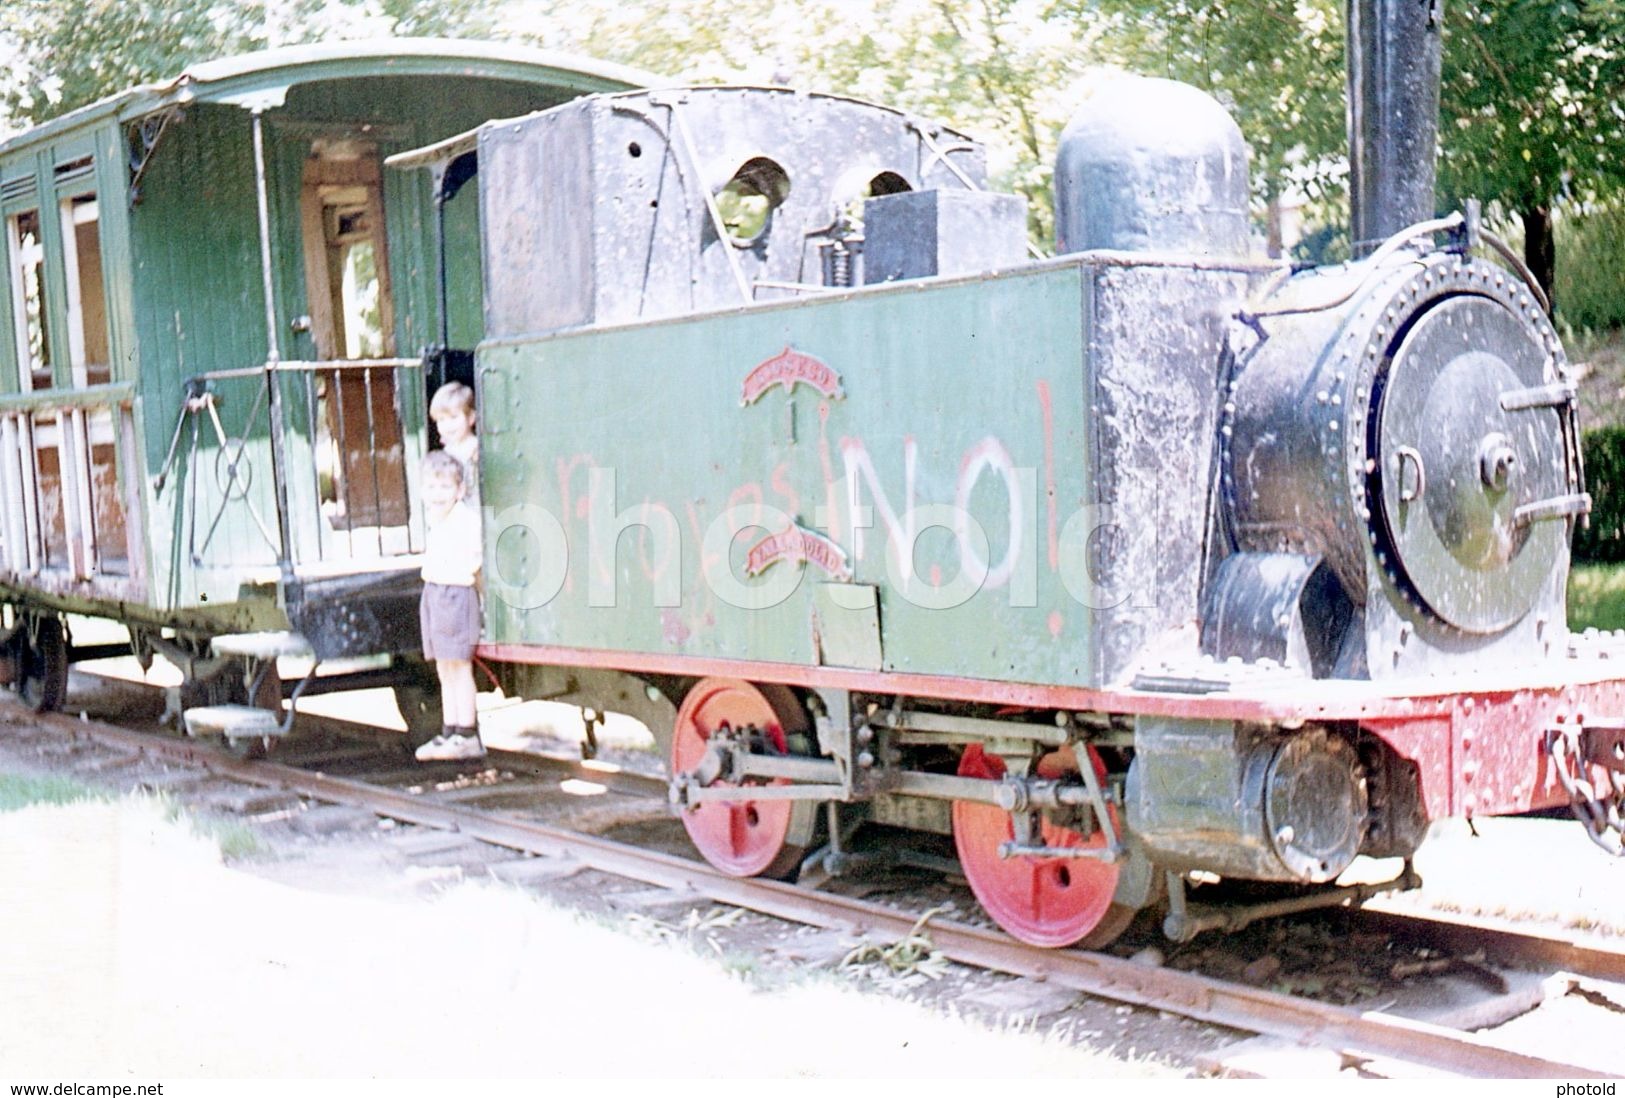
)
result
[(438, 798)]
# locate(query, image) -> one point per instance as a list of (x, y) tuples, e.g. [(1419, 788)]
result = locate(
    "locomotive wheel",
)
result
[(1041, 901), (743, 838), (42, 665)]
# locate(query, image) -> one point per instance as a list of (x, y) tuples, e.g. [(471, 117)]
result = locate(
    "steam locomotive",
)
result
[(1147, 563)]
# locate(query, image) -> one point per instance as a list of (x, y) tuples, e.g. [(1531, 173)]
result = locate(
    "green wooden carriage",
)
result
[(213, 310)]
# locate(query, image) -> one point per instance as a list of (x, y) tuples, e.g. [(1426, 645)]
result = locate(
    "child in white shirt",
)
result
[(449, 612)]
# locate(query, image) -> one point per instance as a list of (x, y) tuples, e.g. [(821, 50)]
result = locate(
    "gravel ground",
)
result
[(343, 946), (132, 951)]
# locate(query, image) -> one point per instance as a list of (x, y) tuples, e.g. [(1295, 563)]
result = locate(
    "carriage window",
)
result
[(87, 304), (48, 481), (26, 251), (110, 542)]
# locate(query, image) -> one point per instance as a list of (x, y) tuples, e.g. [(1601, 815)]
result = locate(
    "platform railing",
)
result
[(342, 464), (70, 508)]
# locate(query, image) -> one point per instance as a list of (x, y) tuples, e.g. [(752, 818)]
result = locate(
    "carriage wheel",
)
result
[(421, 711), (743, 838), (1042, 901), (42, 665)]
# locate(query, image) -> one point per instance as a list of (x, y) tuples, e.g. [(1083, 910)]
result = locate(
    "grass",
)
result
[(21, 790), (234, 839), (1597, 597)]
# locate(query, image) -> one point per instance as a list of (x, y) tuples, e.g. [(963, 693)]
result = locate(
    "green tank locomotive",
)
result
[(1145, 563)]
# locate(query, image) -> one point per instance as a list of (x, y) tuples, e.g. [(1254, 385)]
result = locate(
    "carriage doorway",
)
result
[(360, 456)]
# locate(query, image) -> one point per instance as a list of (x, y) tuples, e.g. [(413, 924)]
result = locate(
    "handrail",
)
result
[(117, 392), (200, 408), (293, 366)]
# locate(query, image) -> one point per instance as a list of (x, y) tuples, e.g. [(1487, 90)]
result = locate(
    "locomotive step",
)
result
[(232, 721), (263, 646)]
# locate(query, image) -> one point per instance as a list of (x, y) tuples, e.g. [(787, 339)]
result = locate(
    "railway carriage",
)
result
[(213, 307)]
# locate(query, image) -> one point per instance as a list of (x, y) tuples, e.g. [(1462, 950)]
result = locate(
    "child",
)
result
[(452, 409), (450, 610)]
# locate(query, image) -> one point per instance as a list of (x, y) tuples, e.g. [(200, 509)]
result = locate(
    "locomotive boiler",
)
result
[(1143, 564)]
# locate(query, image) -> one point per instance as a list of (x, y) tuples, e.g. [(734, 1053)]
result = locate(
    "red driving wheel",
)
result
[(1042, 901), (743, 838)]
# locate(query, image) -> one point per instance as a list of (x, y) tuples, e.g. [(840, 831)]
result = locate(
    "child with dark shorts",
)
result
[(450, 609)]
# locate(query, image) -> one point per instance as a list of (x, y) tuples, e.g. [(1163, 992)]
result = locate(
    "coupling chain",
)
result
[(1602, 815)]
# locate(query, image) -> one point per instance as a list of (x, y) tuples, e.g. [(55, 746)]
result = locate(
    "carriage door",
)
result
[(360, 470)]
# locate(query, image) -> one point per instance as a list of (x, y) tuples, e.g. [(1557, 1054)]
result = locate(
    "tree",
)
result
[(62, 54), (1532, 104), (1276, 65), (1534, 110), (66, 53), (1003, 71)]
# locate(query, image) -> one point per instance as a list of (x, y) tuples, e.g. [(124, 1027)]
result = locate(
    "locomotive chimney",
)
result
[(1393, 57)]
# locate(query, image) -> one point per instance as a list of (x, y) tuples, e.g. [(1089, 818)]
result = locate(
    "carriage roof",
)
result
[(261, 80)]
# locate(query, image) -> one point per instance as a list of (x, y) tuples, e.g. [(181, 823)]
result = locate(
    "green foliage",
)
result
[(1531, 112), (1597, 597), (56, 55), (1604, 454), (1531, 115), (21, 790), (1531, 101), (66, 53), (235, 840), (1591, 267)]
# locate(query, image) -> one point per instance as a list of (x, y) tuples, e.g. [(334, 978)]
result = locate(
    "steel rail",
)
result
[(1455, 931), (1464, 933), (1371, 1034), (533, 763)]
